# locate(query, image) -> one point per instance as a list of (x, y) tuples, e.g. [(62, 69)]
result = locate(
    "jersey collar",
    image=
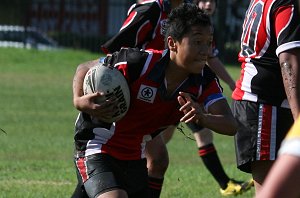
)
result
[(157, 74)]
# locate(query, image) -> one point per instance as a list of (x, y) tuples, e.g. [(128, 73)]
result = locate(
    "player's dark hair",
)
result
[(182, 18)]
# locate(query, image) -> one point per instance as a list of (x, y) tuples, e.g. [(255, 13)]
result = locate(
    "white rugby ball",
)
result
[(111, 81)]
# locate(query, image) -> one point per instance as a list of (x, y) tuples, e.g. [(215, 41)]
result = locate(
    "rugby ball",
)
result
[(107, 79)]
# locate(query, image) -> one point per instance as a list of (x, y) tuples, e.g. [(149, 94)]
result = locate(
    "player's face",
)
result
[(194, 48), (208, 5)]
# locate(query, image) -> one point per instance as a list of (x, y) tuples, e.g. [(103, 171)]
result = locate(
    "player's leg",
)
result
[(261, 130), (114, 194), (168, 133), (79, 191), (157, 164), (105, 176), (208, 154), (260, 170)]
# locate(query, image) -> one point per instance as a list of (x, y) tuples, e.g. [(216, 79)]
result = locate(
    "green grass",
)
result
[(38, 117)]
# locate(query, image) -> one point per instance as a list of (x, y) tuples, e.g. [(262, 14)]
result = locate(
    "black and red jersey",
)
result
[(270, 27), (151, 108), (143, 27)]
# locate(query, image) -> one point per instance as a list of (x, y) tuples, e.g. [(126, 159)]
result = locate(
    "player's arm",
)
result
[(78, 82), (218, 116), (215, 112), (218, 67), (286, 28), (85, 103), (290, 63), (136, 29), (283, 179)]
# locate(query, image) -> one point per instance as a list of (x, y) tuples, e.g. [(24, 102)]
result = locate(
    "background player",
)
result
[(284, 177), (266, 95), (168, 72)]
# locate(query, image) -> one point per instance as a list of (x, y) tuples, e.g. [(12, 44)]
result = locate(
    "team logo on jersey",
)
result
[(163, 27), (147, 93)]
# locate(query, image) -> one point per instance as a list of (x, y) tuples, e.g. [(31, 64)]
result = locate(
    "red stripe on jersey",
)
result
[(122, 67), (238, 93), (142, 32), (283, 17), (128, 20), (268, 26), (265, 132), (81, 166)]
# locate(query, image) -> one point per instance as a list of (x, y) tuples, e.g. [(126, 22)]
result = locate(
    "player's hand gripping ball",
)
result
[(109, 80)]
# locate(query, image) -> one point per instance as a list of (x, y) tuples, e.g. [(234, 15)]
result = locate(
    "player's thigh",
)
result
[(104, 174), (168, 133), (260, 169), (156, 151), (100, 176), (261, 129), (118, 193)]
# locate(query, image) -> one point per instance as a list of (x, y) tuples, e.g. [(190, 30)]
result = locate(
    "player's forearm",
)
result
[(220, 118), (290, 63), (78, 80), (222, 124), (218, 67)]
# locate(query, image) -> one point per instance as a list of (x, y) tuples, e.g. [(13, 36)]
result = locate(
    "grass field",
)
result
[(38, 118)]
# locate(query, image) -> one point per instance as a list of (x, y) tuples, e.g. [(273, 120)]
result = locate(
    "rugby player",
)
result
[(111, 156)]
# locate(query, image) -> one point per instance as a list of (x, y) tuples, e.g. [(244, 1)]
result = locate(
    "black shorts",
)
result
[(261, 130), (100, 173)]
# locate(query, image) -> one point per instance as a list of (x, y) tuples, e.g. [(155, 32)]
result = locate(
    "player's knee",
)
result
[(204, 137), (158, 168), (158, 165)]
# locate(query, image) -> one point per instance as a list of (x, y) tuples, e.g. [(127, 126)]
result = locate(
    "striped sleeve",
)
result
[(212, 89), (136, 30), (287, 26)]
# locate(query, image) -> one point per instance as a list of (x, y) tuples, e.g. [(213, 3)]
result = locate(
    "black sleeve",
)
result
[(137, 28), (134, 58)]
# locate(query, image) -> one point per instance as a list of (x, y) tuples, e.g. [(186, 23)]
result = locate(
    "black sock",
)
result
[(212, 162), (154, 187)]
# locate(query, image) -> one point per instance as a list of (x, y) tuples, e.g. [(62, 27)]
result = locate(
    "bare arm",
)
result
[(218, 67), (290, 63), (78, 82), (283, 179), (219, 117), (85, 103)]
